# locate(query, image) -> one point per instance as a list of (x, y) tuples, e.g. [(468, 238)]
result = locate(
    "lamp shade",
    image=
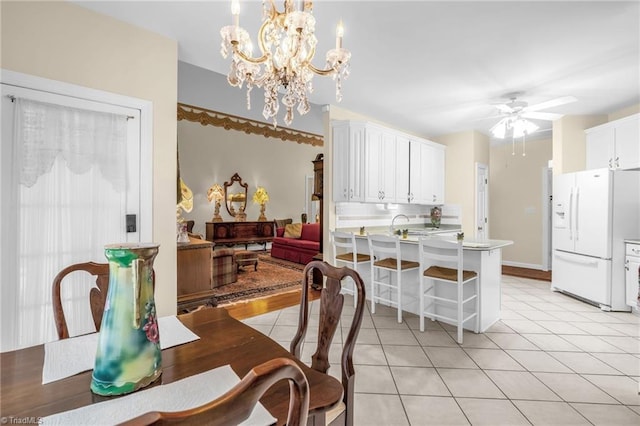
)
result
[(215, 193), (260, 196)]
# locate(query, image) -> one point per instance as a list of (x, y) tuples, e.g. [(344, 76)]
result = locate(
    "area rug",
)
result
[(273, 276)]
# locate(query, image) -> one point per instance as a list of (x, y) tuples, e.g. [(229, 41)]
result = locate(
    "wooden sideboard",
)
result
[(194, 267), (236, 233)]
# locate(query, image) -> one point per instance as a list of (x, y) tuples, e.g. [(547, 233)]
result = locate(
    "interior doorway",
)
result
[(547, 198), (482, 201)]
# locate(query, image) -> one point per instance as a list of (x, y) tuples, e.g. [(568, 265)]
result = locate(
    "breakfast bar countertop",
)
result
[(468, 244), (483, 256)]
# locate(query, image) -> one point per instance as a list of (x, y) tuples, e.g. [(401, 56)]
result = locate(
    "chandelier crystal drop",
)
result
[(287, 45)]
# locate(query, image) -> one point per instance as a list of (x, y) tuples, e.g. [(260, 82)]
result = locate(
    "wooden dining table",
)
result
[(223, 340)]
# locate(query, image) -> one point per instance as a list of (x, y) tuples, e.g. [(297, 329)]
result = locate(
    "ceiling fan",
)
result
[(515, 114)]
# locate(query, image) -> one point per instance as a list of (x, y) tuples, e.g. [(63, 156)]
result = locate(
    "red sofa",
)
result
[(298, 250)]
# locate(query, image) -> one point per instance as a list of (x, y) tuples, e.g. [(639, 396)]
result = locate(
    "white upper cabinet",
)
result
[(426, 170), (380, 165), (403, 195), (435, 175), (348, 161), (375, 164), (418, 163), (614, 145)]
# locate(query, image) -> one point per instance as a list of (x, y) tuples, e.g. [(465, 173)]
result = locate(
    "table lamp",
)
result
[(215, 193), (261, 197)]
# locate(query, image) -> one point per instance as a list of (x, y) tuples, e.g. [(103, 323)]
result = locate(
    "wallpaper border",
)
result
[(207, 117)]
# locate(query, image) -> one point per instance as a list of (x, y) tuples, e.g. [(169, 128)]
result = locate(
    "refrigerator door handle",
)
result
[(579, 260), (571, 215), (577, 215)]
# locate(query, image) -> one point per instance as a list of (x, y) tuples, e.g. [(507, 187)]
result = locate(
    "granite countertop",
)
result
[(468, 244), (413, 229)]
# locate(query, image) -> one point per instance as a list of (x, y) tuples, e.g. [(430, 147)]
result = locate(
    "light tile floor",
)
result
[(551, 360)]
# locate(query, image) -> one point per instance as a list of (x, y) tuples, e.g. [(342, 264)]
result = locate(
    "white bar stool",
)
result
[(434, 253), (385, 254), (346, 252)]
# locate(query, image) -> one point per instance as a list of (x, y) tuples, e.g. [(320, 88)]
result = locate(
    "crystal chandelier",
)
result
[(287, 45), (520, 128)]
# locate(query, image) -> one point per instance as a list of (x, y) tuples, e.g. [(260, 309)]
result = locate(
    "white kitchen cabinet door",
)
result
[(416, 168), (348, 161), (426, 182), (374, 174), (380, 165), (340, 137), (387, 165), (356, 163), (615, 145), (600, 143), (627, 144), (434, 174), (402, 170)]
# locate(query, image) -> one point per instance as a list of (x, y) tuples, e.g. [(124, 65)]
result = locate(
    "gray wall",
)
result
[(207, 89), (211, 154)]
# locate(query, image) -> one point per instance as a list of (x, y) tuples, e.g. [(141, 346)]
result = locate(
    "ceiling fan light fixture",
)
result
[(523, 127), (499, 130)]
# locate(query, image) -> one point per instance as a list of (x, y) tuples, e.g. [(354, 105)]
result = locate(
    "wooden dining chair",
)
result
[(97, 296), (236, 405), (331, 304)]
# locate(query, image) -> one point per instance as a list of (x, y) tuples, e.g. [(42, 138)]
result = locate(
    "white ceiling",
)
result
[(436, 67)]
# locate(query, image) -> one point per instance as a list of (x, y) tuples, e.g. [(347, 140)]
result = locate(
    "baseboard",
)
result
[(523, 265)]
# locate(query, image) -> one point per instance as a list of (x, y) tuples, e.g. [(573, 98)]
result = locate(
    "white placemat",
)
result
[(66, 357), (181, 395)]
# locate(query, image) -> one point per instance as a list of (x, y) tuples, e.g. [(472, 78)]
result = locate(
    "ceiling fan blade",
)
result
[(552, 103), (550, 116)]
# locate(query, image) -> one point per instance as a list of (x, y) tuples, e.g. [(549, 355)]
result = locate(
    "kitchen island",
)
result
[(483, 256)]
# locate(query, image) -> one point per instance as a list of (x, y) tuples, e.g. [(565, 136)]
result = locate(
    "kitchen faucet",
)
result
[(394, 219)]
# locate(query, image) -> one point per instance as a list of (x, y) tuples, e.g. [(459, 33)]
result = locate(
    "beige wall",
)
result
[(624, 112), (211, 155), (515, 194), (464, 150), (65, 42), (569, 142)]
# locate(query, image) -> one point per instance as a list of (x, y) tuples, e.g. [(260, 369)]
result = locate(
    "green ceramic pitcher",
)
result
[(128, 355)]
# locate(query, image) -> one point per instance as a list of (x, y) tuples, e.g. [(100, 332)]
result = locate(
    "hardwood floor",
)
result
[(535, 274), (251, 308)]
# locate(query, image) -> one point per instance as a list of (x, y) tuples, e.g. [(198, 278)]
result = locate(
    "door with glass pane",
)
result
[(74, 200)]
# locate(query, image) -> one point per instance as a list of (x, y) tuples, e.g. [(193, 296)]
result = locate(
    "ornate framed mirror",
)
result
[(235, 196)]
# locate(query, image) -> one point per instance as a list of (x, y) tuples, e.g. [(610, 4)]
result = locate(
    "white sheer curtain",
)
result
[(68, 177)]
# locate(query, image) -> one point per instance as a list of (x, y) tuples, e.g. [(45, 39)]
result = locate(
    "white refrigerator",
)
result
[(593, 212)]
